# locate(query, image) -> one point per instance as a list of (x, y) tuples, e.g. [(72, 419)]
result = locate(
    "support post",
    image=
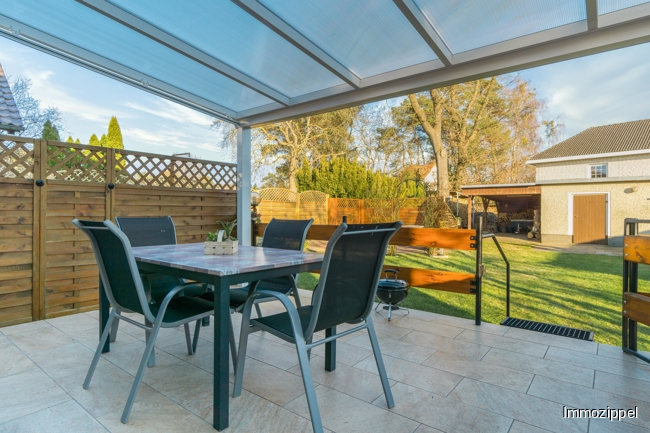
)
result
[(479, 270), (243, 185), (470, 199)]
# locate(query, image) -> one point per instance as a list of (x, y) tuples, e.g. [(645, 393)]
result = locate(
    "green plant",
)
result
[(212, 237), (228, 227)]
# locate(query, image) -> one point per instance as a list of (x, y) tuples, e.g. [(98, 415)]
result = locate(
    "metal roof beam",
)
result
[(577, 45), (592, 14), (152, 32), (291, 35), (425, 29), (49, 44)]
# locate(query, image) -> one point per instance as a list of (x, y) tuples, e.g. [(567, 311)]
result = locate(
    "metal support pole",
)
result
[(479, 270), (243, 185)]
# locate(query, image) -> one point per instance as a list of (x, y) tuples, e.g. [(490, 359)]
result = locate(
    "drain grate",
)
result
[(548, 329)]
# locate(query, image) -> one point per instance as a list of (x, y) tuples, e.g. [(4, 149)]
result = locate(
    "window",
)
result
[(598, 170)]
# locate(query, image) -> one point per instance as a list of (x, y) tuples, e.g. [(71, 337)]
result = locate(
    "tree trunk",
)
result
[(434, 132), (486, 204)]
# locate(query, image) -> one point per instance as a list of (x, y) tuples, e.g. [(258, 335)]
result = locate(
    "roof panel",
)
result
[(465, 27), (226, 32), (609, 6), (367, 37), (80, 26)]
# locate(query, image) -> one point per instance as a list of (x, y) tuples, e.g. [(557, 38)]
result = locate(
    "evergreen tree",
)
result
[(69, 139), (94, 141), (50, 132), (77, 141), (103, 142), (114, 138)]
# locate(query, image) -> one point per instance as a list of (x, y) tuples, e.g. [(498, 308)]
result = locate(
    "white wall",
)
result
[(619, 166)]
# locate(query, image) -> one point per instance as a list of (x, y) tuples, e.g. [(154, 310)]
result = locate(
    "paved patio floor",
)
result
[(446, 374)]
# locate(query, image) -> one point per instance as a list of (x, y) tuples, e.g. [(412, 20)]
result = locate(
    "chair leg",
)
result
[(296, 296), (100, 346), (308, 382), (258, 310), (197, 331), (188, 339), (152, 358), (241, 356), (233, 347), (116, 323), (380, 363), (148, 352)]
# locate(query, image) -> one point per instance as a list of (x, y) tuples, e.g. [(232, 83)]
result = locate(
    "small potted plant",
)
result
[(221, 242)]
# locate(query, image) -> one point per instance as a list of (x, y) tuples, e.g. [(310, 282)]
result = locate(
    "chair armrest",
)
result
[(168, 298), (286, 302)]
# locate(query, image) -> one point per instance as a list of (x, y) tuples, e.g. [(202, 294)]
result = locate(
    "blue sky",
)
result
[(606, 88)]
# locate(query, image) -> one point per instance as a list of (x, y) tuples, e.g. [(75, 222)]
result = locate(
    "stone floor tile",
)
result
[(479, 370), (457, 347), (426, 429), (607, 426), (522, 407), (342, 413), (64, 417), (128, 357), (387, 330), (94, 314), (348, 380), (24, 327), (89, 337), (616, 352), (600, 363), (63, 361), (41, 338), (348, 353), (394, 348), (108, 390), (185, 384), (545, 367), (428, 327), (489, 328), (505, 343), (520, 427), (276, 385), (580, 397), (420, 376), (250, 413), (28, 392), (443, 413), (74, 322), (552, 340), (156, 414), (271, 352), (12, 360), (202, 358), (622, 385)]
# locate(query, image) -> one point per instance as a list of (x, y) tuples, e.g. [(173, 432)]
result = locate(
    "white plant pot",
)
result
[(221, 248)]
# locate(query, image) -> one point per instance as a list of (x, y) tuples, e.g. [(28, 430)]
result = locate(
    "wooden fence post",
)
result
[(39, 230), (362, 211), (110, 179), (332, 208)]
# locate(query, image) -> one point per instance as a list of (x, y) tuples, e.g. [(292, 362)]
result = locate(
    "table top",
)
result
[(248, 259)]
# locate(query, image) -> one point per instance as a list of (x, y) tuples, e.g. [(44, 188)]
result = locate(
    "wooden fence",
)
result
[(47, 268), (284, 204)]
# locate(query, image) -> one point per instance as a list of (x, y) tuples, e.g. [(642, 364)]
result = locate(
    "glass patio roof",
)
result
[(258, 61)]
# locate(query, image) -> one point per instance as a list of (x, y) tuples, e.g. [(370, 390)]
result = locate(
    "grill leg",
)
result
[(390, 307)]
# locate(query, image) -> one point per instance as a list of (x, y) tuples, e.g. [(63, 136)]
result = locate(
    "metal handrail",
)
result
[(505, 259)]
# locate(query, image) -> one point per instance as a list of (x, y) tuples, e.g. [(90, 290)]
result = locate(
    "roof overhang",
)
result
[(592, 156), (590, 33)]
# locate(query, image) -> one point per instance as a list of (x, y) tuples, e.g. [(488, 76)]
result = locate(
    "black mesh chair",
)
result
[(144, 232), (345, 294), (125, 291)]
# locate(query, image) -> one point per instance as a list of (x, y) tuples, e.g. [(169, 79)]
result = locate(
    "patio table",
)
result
[(249, 264)]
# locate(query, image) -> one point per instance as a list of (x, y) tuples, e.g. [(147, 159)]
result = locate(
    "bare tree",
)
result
[(34, 117)]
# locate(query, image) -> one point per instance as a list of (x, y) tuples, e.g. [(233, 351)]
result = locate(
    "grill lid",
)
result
[(392, 283)]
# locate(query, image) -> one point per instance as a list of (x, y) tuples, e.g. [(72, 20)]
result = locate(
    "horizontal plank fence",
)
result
[(47, 268), (458, 239)]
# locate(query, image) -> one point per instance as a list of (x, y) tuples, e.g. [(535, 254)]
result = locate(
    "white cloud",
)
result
[(171, 111)]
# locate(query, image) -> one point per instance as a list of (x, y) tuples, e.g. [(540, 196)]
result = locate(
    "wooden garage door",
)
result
[(590, 219)]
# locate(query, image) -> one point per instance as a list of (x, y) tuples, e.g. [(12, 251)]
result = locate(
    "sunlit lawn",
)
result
[(576, 290)]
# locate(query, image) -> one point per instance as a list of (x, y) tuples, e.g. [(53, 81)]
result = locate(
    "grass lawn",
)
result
[(576, 290)]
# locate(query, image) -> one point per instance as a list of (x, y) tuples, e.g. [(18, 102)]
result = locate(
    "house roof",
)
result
[(422, 170), (9, 115), (600, 140), (254, 62)]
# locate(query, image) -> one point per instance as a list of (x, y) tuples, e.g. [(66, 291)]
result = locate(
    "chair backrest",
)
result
[(144, 232), (117, 267), (286, 234), (351, 270)]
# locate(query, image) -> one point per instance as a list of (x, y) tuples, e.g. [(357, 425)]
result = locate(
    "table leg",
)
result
[(221, 347), (330, 350), (104, 312)]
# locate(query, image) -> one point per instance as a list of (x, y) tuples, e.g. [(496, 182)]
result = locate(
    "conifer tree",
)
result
[(114, 138), (93, 141), (103, 142), (77, 141), (50, 132), (69, 139)]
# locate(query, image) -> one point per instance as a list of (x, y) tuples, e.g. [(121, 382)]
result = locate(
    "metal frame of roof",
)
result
[(593, 34)]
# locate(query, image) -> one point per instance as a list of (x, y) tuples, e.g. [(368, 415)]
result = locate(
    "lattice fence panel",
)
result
[(379, 210), (76, 163), (278, 194), (156, 170), (313, 197), (16, 159), (348, 203)]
